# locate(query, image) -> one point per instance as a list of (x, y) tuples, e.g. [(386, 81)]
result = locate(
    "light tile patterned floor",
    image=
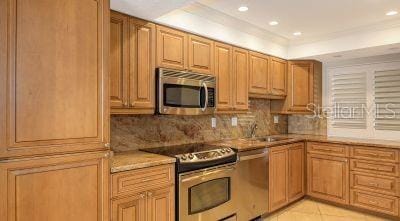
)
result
[(308, 210)]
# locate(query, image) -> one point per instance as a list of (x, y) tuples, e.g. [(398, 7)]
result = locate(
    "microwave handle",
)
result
[(206, 100)]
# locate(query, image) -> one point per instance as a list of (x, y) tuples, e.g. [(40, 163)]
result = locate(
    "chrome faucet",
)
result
[(253, 128)]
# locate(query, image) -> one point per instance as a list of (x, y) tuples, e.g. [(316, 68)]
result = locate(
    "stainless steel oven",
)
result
[(206, 194), (185, 93)]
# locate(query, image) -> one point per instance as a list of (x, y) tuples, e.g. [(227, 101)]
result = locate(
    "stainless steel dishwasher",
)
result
[(252, 184)]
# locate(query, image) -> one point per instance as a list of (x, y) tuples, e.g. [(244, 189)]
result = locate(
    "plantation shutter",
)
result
[(349, 99), (387, 100)]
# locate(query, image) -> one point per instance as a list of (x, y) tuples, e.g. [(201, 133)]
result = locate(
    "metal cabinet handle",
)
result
[(142, 195), (107, 145), (149, 194)]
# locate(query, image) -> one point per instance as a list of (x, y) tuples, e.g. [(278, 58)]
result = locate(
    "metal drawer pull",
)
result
[(372, 202), (142, 195)]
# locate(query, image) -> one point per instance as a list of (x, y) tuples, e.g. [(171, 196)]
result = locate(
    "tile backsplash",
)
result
[(133, 132), (307, 124)]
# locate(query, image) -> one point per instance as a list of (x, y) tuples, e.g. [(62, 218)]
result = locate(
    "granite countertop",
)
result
[(130, 160), (251, 144)]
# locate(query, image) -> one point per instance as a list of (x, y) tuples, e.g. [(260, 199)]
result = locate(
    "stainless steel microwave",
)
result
[(185, 93)]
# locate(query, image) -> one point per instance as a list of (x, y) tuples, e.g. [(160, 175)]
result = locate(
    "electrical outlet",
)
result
[(276, 119), (234, 121), (213, 122)]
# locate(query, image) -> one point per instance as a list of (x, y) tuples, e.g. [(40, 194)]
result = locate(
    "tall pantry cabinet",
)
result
[(54, 133)]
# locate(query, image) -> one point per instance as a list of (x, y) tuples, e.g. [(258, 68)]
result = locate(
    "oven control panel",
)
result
[(205, 155)]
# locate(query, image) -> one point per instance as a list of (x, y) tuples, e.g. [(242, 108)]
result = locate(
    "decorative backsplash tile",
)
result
[(307, 124), (133, 132)]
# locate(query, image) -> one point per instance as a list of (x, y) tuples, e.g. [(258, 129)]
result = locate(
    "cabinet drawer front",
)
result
[(389, 169), (374, 183), (375, 202), (141, 180), (328, 149), (376, 154)]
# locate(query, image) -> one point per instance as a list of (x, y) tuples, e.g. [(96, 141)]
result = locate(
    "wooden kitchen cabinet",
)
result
[(296, 172), (201, 55), (132, 75), (146, 194), (240, 79), (278, 78), (328, 178), (304, 89), (172, 48), (286, 175), (258, 74), (53, 77), (63, 188), (223, 73)]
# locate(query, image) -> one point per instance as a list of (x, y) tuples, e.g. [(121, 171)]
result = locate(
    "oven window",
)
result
[(182, 96), (209, 194)]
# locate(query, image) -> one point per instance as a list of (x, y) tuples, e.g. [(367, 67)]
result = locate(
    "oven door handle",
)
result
[(206, 174), (206, 100)]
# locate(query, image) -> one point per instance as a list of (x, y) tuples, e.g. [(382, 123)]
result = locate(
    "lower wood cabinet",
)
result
[(328, 178), (286, 175), (375, 202), (144, 194), (62, 188)]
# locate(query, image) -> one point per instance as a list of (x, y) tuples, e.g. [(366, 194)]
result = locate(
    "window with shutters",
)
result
[(364, 101)]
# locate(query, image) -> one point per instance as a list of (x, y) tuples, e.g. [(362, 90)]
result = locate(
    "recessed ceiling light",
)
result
[(272, 23), (297, 33), (392, 13), (243, 8)]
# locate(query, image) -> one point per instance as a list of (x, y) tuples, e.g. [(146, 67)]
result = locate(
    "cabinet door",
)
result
[(223, 72), (142, 64), (55, 98), (171, 48), (201, 55), (119, 60), (328, 178), (241, 76), (301, 78), (278, 77), (132, 208), (296, 172), (161, 204), (62, 188), (258, 73), (278, 177)]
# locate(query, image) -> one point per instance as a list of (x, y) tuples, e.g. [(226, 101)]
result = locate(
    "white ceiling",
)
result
[(314, 18)]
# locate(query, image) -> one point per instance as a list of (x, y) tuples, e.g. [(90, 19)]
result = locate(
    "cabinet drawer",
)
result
[(374, 183), (375, 202), (134, 181), (389, 169), (328, 149), (376, 154)]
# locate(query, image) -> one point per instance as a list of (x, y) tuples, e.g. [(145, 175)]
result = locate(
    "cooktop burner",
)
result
[(196, 156)]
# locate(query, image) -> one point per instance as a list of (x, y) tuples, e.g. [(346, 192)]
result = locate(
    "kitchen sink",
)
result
[(270, 139)]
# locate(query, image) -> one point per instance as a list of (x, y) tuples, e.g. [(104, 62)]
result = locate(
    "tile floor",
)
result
[(308, 210)]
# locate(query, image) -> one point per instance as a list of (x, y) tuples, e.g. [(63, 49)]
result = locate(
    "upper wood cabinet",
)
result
[(172, 48), (119, 60), (201, 55), (304, 88), (258, 74), (240, 79), (286, 175), (223, 72), (53, 76), (132, 73), (62, 187), (278, 77)]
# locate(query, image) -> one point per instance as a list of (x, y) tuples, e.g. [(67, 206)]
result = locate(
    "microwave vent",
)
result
[(186, 75)]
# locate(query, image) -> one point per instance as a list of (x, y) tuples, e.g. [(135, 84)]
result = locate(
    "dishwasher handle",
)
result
[(254, 156)]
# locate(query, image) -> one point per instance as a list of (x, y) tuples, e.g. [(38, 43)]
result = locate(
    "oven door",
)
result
[(207, 194), (185, 96)]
